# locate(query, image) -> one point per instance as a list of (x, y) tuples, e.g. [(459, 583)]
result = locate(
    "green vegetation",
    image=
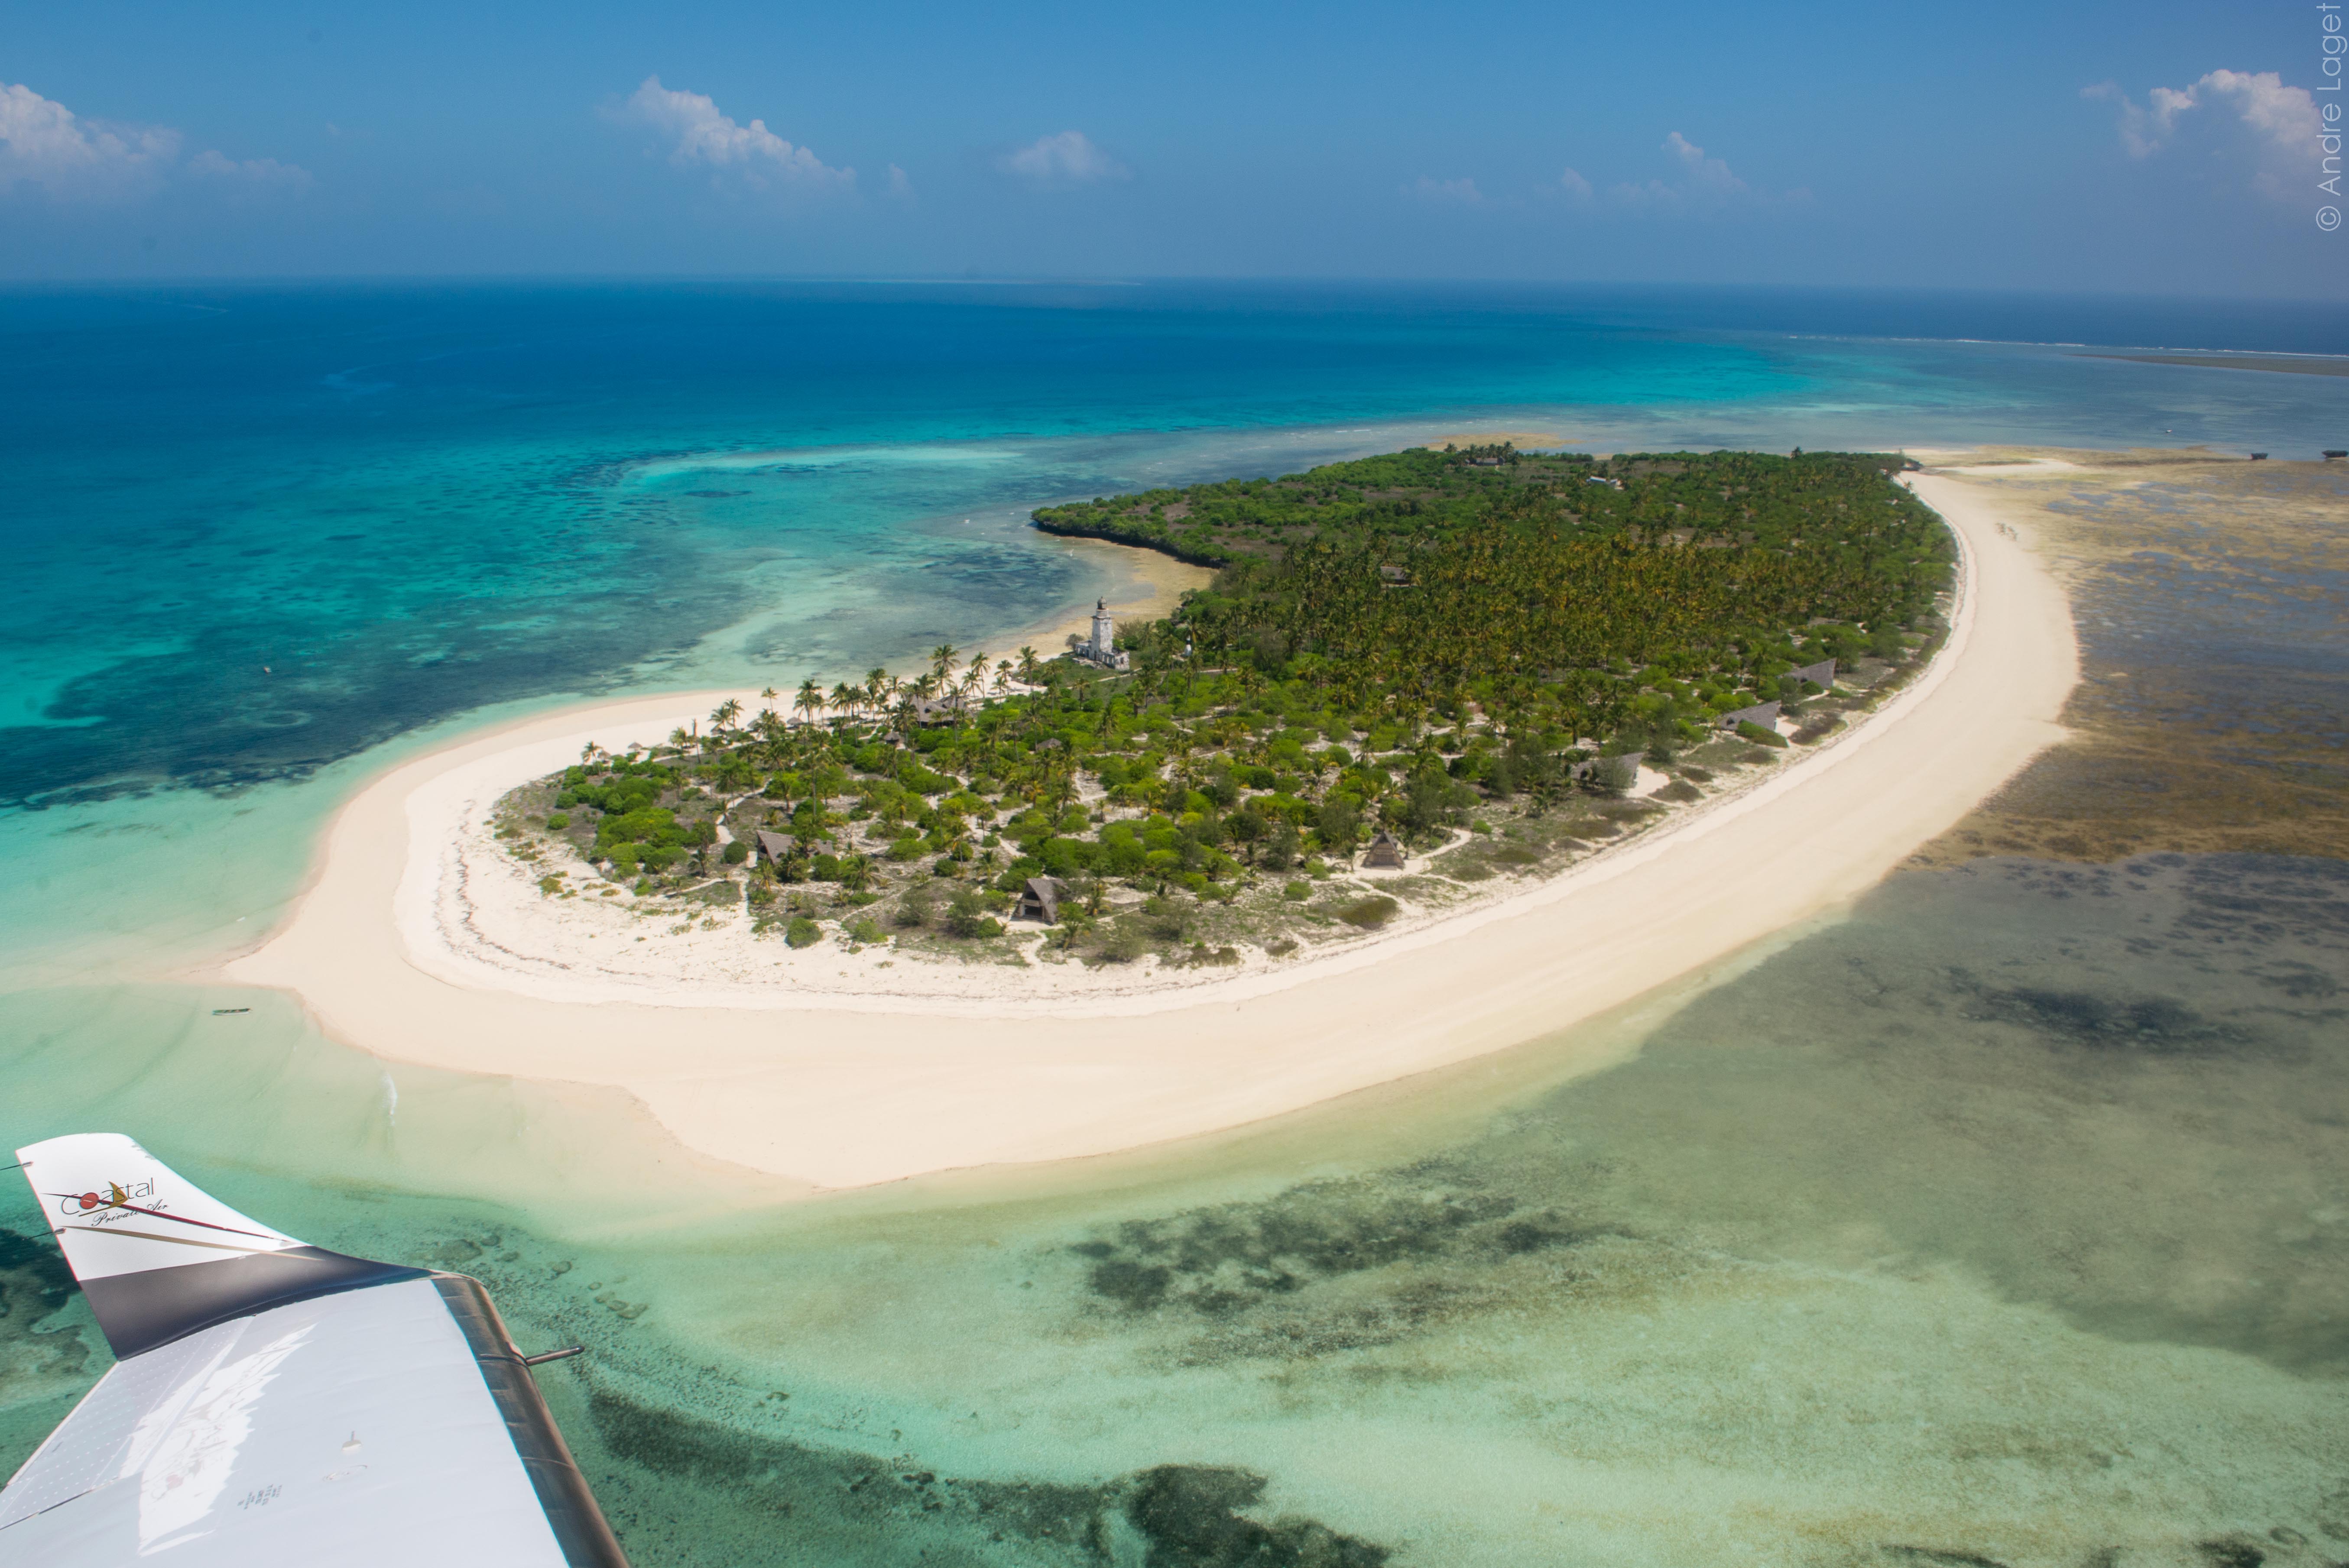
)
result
[(1470, 651)]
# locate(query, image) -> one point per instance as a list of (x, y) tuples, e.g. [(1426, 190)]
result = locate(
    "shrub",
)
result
[(1370, 913), (967, 916), (803, 932), (1123, 943), (865, 931), (1280, 946), (1615, 773), (904, 850), (1811, 734), (912, 911), (738, 852), (1748, 730), (557, 823), (1680, 789), (1298, 891)]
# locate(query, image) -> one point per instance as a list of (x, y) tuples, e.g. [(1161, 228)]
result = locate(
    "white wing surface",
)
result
[(278, 1404)]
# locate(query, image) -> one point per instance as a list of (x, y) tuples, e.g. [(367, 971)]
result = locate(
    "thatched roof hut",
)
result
[(772, 847), (1384, 853), (1041, 899)]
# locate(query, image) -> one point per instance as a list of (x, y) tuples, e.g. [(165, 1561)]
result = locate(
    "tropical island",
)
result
[(1413, 679)]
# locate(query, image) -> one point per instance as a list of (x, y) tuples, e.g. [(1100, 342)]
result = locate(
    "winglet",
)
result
[(160, 1258)]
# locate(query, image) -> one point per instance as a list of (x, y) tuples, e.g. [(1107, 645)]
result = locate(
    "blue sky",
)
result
[(2142, 148)]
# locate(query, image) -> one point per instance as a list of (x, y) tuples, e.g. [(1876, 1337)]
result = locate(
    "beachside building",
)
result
[(770, 847), (1820, 675), (1385, 853), (1621, 772), (933, 710), (1765, 714), (1100, 649), (1041, 899)]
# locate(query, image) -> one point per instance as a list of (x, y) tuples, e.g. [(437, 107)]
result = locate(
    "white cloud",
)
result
[(1705, 173), (1429, 189), (1576, 185), (2283, 122), (253, 173), (898, 184), (44, 143), (1706, 183), (1068, 157), (704, 135)]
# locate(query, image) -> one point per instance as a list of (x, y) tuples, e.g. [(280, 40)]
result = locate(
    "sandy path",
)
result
[(842, 1096)]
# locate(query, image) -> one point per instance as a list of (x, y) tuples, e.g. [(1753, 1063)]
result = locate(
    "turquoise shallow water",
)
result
[(2001, 1222)]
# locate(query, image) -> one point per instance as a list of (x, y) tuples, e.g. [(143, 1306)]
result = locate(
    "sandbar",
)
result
[(845, 1092)]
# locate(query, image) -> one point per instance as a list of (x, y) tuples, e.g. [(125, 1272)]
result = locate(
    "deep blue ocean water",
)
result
[(1889, 1250)]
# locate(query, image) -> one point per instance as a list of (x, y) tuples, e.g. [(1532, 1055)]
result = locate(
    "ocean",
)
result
[(2006, 1220)]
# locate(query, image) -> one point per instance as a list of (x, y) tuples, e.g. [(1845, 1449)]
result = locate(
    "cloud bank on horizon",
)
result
[(705, 136), (2284, 123), (45, 147), (1117, 144), (1067, 158)]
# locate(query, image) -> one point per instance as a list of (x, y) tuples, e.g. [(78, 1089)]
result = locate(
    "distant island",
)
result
[(1411, 675)]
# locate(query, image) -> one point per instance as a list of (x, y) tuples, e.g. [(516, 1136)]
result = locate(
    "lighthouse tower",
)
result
[(1104, 641)]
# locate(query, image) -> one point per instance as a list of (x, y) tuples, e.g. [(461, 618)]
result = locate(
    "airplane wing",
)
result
[(275, 1403)]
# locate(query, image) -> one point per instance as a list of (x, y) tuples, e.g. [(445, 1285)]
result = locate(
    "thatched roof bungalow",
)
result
[(1040, 899)]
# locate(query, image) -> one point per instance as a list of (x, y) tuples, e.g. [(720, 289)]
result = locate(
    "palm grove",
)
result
[(1426, 641)]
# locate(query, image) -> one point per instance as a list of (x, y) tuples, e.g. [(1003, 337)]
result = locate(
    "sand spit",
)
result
[(842, 1091)]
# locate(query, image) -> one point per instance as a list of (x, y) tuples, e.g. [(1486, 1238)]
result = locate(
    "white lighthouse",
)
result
[(1102, 649)]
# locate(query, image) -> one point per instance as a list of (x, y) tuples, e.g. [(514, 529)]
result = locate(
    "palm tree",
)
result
[(723, 716), (1027, 665), (942, 659), (809, 700)]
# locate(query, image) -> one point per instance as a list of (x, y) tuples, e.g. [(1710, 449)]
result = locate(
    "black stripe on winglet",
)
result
[(586, 1540), (140, 1311)]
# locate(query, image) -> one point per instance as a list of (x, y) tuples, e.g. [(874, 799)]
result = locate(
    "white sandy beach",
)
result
[(845, 1090)]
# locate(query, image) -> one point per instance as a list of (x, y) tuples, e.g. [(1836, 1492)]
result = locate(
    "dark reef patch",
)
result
[(788, 1502), (1190, 1515), (2156, 1024), (1934, 1557), (1227, 1258)]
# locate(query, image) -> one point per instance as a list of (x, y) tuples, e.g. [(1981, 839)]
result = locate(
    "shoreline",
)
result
[(841, 1091)]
